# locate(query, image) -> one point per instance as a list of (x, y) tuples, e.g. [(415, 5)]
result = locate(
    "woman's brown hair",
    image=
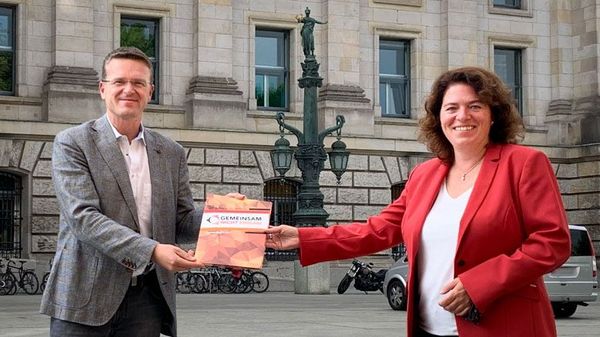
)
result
[(507, 125)]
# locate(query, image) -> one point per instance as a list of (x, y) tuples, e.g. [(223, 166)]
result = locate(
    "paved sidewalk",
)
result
[(274, 314)]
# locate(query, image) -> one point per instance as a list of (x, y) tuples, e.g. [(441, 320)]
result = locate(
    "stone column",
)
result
[(561, 50), (313, 279), (70, 92), (341, 93), (459, 36), (213, 99), (573, 116), (586, 77)]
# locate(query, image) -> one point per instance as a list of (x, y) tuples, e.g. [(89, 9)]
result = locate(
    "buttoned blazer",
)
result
[(99, 244), (513, 231)]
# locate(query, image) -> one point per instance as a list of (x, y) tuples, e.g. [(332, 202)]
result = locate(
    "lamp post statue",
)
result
[(310, 156), (308, 40)]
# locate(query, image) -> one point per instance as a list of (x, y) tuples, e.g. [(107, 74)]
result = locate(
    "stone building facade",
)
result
[(208, 75)]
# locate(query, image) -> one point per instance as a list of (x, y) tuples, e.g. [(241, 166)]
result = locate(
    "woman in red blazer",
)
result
[(482, 222)]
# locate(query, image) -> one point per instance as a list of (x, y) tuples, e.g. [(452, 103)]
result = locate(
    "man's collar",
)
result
[(118, 135)]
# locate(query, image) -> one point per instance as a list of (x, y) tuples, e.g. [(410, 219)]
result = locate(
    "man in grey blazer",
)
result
[(125, 202)]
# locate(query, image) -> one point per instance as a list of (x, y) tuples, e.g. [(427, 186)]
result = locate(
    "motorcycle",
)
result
[(365, 279)]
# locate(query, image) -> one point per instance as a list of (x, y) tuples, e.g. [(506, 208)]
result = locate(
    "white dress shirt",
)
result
[(136, 159)]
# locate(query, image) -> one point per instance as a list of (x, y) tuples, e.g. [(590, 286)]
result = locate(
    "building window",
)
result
[(399, 250), (283, 193), (507, 65), (10, 215), (272, 69), (515, 4), (394, 78), (7, 51), (143, 34)]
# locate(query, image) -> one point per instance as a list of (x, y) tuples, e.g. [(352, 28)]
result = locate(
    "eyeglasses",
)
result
[(121, 82)]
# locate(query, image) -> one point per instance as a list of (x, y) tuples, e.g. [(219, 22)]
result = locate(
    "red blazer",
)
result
[(513, 231)]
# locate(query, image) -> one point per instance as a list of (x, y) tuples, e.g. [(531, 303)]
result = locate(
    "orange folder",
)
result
[(224, 239)]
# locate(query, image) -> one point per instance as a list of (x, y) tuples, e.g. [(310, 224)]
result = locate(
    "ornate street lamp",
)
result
[(310, 156), (281, 156), (338, 156), (310, 153)]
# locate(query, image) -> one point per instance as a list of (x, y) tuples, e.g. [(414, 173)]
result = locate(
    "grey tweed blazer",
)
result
[(99, 244)]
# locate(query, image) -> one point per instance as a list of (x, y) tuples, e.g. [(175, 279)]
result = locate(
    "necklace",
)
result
[(464, 175)]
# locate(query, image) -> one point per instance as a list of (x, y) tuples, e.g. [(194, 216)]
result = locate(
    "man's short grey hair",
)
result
[(129, 53)]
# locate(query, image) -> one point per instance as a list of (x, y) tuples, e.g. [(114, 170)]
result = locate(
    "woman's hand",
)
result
[(282, 237), (456, 301)]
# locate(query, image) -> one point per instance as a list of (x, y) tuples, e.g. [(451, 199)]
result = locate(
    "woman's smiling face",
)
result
[(465, 120)]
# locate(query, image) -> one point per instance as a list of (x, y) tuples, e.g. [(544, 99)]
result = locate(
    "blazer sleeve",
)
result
[(546, 242), (81, 212), (318, 244), (188, 217)]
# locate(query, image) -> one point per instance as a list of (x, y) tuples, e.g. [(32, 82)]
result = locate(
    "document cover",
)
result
[(223, 238)]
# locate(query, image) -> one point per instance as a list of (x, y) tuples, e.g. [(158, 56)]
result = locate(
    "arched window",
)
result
[(10, 215), (399, 250), (283, 193)]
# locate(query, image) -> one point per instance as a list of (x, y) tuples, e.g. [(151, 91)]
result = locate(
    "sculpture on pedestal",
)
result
[(308, 40)]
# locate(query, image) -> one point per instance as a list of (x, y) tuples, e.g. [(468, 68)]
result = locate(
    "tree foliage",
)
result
[(139, 35)]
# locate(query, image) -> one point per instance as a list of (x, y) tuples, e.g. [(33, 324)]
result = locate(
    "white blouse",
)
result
[(436, 260)]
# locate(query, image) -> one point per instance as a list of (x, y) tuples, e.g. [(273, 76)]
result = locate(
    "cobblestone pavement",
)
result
[(275, 314)]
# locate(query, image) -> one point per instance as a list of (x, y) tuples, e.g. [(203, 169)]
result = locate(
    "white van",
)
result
[(576, 281)]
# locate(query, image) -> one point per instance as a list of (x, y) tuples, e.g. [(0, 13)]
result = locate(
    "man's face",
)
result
[(126, 89)]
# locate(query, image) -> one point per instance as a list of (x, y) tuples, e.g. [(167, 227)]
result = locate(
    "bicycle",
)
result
[(7, 280), (46, 276), (211, 277), (260, 281), (25, 278), (235, 281), (189, 281), (200, 282)]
